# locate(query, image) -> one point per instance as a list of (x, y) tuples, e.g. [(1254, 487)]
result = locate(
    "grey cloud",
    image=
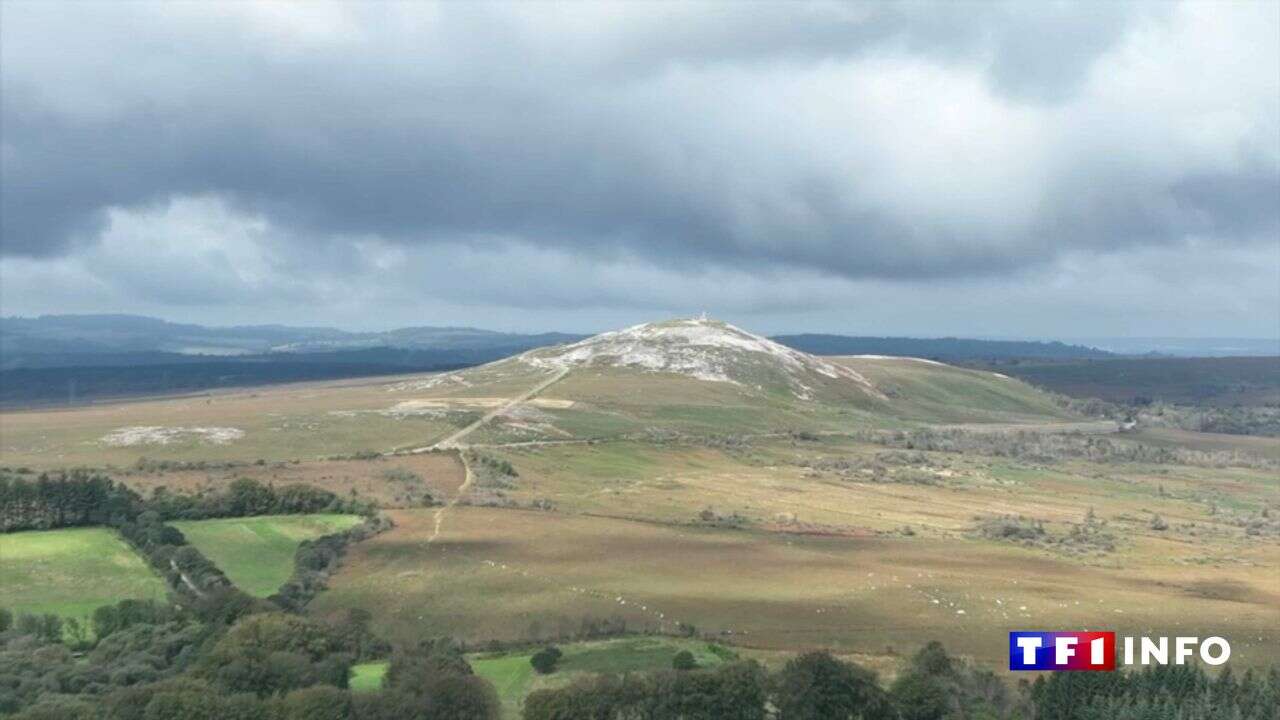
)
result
[(1176, 291), (747, 139)]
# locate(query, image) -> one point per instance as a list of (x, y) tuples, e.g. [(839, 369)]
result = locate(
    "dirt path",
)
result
[(452, 442), (186, 580), (438, 518)]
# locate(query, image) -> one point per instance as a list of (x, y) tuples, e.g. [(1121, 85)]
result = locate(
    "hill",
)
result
[(93, 340), (676, 378), (705, 377)]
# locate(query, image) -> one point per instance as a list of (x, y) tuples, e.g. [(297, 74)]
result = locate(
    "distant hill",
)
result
[(77, 358), (938, 348), (1187, 347), (26, 387), (113, 340)]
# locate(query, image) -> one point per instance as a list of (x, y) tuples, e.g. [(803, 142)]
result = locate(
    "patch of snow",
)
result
[(698, 348), (899, 357), (158, 435)]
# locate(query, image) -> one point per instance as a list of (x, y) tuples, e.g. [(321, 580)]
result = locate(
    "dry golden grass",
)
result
[(773, 479), (305, 421), (493, 573), (382, 480), (819, 556)]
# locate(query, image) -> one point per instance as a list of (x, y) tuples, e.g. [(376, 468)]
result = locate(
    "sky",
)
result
[(988, 169)]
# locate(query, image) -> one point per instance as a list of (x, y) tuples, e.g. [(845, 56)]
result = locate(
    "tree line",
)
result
[(79, 497), (932, 686), (65, 499), (160, 662), (155, 661)]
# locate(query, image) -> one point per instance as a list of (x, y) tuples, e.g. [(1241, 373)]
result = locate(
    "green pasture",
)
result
[(71, 572), (256, 553)]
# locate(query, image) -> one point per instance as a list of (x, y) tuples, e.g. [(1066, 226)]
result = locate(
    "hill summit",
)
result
[(703, 349)]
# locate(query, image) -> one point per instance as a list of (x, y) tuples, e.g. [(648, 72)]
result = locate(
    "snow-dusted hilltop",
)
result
[(699, 348)]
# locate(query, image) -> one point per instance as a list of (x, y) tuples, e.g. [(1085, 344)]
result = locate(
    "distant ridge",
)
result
[(939, 348), (95, 340), (89, 340)]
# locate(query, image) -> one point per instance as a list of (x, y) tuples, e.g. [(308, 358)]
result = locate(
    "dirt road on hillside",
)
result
[(453, 441)]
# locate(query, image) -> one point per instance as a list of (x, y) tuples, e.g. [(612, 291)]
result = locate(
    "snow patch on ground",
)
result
[(898, 357), (699, 348), (158, 435)]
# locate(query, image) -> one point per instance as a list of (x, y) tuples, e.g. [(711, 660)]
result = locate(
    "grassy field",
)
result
[(390, 481), (931, 392), (367, 677), (509, 574), (318, 421), (257, 553), (846, 487), (817, 552), (514, 678), (308, 421), (71, 572), (613, 403), (1267, 447)]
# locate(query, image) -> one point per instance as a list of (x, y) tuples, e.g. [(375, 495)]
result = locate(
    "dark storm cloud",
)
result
[(867, 141)]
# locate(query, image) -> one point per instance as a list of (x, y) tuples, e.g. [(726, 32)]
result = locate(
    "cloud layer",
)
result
[(595, 162)]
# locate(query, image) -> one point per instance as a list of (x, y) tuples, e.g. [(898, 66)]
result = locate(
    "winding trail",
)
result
[(438, 518), (453, 443)]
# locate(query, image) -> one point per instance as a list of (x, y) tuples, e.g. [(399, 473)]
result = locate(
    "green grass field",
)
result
[(932, 392), (514, 678), (367, 677), (71, 572), (257, 553)]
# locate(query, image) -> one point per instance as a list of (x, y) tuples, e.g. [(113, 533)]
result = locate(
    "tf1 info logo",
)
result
[(1034, 650)]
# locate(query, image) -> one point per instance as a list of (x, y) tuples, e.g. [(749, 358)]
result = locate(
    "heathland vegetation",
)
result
[(679, 521), (1217, 382)]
